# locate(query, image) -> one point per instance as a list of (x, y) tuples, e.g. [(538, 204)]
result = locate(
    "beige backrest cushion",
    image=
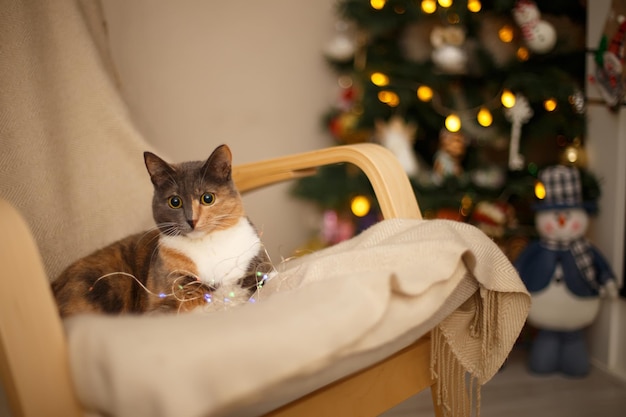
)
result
[(70, 159)]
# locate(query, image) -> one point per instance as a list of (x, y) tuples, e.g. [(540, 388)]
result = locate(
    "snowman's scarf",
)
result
[(583, 256)]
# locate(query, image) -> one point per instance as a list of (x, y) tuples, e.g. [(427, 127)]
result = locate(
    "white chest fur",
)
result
[(221, 257)]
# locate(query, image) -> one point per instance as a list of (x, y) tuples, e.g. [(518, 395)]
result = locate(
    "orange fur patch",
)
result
[(224, 214), (177, 263)]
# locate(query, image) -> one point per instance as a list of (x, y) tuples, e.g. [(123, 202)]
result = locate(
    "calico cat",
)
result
[(203, 248)]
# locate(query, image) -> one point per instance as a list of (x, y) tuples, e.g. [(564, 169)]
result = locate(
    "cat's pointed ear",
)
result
[(159, 170), (219, 164)]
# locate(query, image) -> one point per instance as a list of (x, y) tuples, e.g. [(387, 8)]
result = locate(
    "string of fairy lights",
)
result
[(430, 6), (483, 113)]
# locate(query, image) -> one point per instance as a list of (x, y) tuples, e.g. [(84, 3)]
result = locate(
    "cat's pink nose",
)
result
[(192, 223)]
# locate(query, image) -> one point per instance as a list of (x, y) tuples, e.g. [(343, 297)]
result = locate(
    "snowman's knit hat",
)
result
[(563, 188)]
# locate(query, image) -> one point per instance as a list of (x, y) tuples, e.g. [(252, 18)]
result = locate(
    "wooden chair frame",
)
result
[(34, 363)]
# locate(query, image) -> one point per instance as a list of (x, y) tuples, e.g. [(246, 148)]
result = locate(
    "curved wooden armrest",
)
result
[(391, 184), (34, 365)]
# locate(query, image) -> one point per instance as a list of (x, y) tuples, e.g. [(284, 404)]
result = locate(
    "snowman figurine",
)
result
[(539, 35), (565, 275)]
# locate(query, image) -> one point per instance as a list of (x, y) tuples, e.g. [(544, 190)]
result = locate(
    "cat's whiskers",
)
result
[(170, 228), (148, 233), (160, 226)]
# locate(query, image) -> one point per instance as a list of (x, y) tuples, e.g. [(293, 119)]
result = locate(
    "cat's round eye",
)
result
[(175, 202), (207, 199)]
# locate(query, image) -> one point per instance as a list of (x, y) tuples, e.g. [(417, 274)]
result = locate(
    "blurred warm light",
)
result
[(429, 6), (424, 93), (522, 53), (484, 117), (389, 97), (540, 190), (360, 206), (453, 123), (574, 154), (506, 34), (445, 3), (378, 4), (379, 79), (394, 101), (466, 205), (474, 6), (507, 99), (571, 154), (549, 104)]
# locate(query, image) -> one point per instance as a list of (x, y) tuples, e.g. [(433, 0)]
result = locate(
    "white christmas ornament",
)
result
[(519, 114), (343, 46), (448, 54), (539, 35), (398, 136)]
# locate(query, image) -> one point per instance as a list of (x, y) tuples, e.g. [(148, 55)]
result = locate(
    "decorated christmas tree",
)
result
[(473, 97)]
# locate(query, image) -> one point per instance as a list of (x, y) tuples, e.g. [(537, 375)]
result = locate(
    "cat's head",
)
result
[(194, 198)]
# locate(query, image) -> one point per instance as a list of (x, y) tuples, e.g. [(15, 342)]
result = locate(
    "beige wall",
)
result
[(247, 73)]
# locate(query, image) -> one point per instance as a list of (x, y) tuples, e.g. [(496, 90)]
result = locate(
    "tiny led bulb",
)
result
[(571, 154), (453, 123), (549, 104), (424, 93), (522, 53), (484, 117), (474, 6), (360, 206), (429, 6), (379, 79), (507, 99), (540, 190), (506, 34), (389, 97), (378, 4)]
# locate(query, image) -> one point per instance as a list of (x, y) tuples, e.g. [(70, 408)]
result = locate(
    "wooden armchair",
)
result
[(33, 352)]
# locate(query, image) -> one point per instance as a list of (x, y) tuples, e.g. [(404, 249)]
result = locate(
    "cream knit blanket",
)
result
[(324, 315)]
